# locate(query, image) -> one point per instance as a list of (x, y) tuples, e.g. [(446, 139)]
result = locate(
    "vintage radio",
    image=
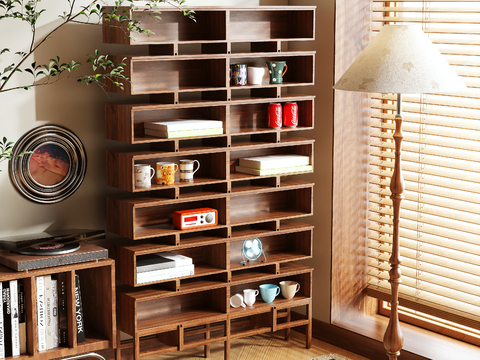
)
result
[(195, 218)]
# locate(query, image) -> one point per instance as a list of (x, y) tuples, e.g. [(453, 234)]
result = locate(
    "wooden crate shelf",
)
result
[(185, 75)]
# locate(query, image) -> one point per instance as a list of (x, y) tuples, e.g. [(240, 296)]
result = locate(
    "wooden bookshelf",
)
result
[(97, 279), (185, 75)]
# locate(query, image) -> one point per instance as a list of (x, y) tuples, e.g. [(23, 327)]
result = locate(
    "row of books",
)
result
[(163, 266), (13, 336), (52, 324), (274, 164)]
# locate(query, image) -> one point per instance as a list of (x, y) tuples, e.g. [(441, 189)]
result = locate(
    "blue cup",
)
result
[(269, 292)]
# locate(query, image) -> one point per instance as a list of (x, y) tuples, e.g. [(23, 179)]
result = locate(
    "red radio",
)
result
[(195, 218)]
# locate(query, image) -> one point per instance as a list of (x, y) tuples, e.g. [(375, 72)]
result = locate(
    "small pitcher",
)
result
[(276, 70)]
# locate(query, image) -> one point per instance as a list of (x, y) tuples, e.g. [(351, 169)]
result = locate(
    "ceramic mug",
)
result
[(166, 173), (238, 74), (143, 175), (276, 70), (269, 292), (237, 301), (187, 169), (289, 288), (255, 75), (249, 296)]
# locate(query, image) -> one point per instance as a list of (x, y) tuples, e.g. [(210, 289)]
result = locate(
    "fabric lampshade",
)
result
[(400, 59)]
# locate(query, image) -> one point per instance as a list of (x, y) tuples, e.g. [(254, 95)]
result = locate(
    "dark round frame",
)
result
[(19, 167)]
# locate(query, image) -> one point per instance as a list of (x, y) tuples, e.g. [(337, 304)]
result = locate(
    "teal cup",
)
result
[(269, 292)]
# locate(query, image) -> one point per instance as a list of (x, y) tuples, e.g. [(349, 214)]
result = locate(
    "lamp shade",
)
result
[(400, 59)]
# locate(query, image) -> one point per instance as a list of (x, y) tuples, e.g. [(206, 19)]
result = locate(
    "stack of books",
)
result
[(163, 266), (172, 129), (274, 164)]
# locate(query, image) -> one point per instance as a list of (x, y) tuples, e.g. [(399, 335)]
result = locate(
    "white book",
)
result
[(15, 318), (266, 172), (162, 260), (48, 311), (183, 133), (2, 334), (165, 274), (178, 125), (274, 161), (54, 313), (42, 343)]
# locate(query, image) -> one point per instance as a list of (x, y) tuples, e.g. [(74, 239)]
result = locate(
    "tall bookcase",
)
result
[(186, 76)]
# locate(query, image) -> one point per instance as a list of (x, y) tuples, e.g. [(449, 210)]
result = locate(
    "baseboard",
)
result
[(353, 342)]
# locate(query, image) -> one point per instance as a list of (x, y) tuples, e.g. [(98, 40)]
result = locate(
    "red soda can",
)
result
[(290, 115), (275, 115)]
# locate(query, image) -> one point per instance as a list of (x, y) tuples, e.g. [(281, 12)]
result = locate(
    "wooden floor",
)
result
[(263, 347)]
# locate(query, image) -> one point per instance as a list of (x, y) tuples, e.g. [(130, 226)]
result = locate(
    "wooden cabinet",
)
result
[(97, 281), (185, 75)]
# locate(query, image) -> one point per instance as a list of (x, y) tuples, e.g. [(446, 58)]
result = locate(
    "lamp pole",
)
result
[(393, 338)]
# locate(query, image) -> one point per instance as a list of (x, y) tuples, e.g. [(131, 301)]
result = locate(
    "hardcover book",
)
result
[(7, 318), (165, 274), (54, 313), (2, 331), (265, 172), (42, 342), (183, 133), (22, 318), (79, 311), (48, 311), (62, 309), (159, 261), (182, 125), (14, 317), (274, 161)]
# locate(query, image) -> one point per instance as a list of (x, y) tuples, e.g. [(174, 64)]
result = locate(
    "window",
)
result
[(440, 216)]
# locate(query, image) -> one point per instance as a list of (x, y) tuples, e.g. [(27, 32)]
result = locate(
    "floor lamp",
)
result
[(400, 59)]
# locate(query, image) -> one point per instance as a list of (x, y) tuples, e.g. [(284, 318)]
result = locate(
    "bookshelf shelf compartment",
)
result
[(186, 76)]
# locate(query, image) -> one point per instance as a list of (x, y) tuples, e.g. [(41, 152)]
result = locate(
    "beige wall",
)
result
[(80, 109)]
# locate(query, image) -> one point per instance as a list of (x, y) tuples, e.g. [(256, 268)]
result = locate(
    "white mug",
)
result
[(249, 296), (255, 75), (186, 169), (237, 301), (143, 175)]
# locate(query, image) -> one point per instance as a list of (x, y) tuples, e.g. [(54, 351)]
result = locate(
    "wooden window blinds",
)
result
[(440, 216)]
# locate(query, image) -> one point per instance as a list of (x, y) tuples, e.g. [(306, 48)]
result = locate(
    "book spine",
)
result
[(48, 311), (42, 343), (7, 321), (62, 309), (54, 313), (79, 311), (14, 317), (22, 318), (165, 274), (2, 332)]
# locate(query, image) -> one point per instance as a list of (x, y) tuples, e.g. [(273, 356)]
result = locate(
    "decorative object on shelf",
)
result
[(172, 129), (400, 59), (53, 170), (166, 173), (269, 292), (186, 169), (252, 249), (276, 70), (289, 288), (249, 296), (275, 115), (143, 175), (290, 115), (237, 301), (238, 74), (195, 218), (255, 75)]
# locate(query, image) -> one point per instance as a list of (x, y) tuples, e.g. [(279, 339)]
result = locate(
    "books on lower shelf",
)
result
[(163, 266), (274, 164), (170, 129)]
